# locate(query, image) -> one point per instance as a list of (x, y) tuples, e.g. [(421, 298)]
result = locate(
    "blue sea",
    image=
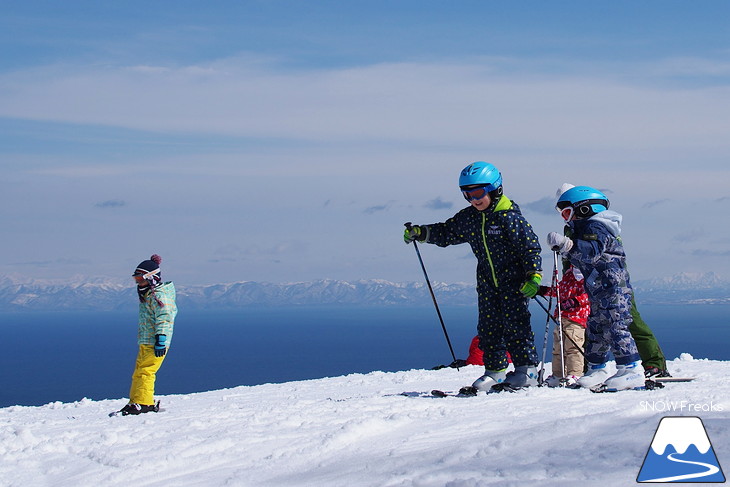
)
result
[(58, 356)]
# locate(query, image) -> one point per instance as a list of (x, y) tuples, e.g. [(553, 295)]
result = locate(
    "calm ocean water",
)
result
[(64, 357)]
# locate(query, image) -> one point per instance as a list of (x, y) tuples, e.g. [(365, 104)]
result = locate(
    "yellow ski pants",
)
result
[(143, 378)]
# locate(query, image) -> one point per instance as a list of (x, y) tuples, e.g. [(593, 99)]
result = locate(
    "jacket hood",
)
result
[(611, 220)]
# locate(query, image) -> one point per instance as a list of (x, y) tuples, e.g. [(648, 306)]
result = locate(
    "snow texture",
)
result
[(358, 430)]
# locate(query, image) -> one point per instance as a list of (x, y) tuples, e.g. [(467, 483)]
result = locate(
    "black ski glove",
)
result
[(160, 345)]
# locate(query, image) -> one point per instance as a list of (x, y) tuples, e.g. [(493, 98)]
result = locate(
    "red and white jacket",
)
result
[(574, 302)]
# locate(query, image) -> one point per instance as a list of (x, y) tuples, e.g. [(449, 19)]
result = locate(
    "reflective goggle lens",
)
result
[(567, 213), (475, 194)]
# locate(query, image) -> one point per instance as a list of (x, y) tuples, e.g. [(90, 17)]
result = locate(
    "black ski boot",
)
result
[(652, 372), (135, 409)]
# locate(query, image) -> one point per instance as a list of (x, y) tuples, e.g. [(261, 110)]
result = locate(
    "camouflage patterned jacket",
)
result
[(599, 254)]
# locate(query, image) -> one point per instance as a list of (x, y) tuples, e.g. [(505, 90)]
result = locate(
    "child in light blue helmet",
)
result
[(508, 273), (594, 247)]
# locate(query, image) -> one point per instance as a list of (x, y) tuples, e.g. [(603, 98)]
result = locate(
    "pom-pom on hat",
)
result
[(563, 188), (149, 268)]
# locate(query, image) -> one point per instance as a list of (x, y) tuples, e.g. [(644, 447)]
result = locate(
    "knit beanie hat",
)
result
[(150, 269)]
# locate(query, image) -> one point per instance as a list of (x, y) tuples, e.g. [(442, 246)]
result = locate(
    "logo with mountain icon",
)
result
[(681, 452)]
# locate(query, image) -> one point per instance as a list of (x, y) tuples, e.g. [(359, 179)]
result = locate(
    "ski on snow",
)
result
[(672, 379), (470, 391), (467, 391)]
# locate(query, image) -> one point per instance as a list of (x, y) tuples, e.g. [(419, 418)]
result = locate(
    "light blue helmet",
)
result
[(481, 173), (584, 200)]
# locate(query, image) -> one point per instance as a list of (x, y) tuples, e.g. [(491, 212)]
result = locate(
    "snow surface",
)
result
[(358, 430)]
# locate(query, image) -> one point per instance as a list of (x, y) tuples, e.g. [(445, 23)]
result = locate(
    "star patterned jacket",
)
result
[(506, 247)]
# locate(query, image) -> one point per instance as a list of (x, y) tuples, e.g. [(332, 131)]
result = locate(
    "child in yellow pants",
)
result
[(143, 378), (157, 311)]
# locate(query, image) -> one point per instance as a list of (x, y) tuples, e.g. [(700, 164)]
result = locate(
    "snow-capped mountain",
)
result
[(74, 294), (685, 288), (82, 294), (108, 295)]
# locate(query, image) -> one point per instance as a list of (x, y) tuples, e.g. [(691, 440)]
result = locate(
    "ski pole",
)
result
[(560, 314), (580, 349), (553, 284), (433, 296)]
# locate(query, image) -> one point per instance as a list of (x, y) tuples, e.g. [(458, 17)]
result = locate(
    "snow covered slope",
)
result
[(358, 431)]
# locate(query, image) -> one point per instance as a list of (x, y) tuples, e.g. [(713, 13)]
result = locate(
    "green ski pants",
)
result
[(649, 350)]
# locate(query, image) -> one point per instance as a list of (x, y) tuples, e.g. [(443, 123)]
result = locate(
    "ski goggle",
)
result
[(583, 209), (566, 213), (476, 193), (144, 274), (565, 209)]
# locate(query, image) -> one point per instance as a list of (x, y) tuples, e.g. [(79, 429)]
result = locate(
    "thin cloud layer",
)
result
[(467, 102)]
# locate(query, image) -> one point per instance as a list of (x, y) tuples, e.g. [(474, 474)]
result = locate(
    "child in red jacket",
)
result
[(575, 308)]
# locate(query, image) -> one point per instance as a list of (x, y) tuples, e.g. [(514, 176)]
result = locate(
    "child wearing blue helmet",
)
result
[(594, 246), (508, 273)]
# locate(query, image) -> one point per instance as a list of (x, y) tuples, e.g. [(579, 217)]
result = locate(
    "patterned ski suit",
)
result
[(599, 254), (507, 252)]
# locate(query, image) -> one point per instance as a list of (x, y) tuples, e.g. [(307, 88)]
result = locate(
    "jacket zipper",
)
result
[(486, 248)]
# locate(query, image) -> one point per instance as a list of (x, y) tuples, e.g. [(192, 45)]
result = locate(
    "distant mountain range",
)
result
[(39, 295)]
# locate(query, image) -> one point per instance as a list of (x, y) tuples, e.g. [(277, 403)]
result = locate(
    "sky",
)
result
[(286, 141)]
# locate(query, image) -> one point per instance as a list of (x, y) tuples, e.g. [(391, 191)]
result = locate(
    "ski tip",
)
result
[(673, 379)]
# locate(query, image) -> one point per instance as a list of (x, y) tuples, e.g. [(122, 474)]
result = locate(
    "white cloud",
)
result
[(465, 103), (374, 138)]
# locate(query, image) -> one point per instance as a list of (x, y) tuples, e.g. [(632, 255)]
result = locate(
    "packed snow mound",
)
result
[(358, 430)]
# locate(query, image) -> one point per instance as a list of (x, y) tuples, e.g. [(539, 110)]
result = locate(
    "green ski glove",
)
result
[(531, 286), (414, 233)]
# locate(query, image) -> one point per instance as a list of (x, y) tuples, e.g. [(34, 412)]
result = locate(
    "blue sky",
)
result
[(288, 141)]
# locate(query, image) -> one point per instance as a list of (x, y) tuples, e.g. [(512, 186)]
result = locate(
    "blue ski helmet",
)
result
[(584, 200), (482, 174)]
